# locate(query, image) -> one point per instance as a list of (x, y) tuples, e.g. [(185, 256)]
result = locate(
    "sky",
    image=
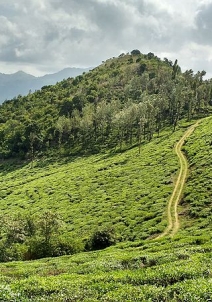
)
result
[(45, 36)]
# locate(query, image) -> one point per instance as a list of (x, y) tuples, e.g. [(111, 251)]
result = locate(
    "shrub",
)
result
[(100, 240), (65, 246)]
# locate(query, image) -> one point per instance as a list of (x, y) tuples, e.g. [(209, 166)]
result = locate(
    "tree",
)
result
[(168, 62), (34, 141), (175, 70), (130, 120), (119, 123), (135, 52), (47, 228), (178, 102), (141, 127), (150, 119), (48, 224), (63, 126), (86, 124), (150, 55), (160, 104)]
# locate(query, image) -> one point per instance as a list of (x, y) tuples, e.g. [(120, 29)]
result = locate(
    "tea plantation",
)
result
[(126, 193)]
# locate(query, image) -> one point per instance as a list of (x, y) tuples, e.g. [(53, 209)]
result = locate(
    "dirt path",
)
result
[(172, 214)]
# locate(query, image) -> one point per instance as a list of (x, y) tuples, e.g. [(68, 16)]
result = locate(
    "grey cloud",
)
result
[(108, 25), (85, 32), (77, 34), (202, 33), (110, 17), (107, 17), (73, 5)]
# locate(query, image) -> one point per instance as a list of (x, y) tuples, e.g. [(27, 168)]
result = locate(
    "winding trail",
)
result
[(172, 214)]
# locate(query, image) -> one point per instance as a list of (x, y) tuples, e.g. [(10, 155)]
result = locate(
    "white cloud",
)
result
[(42, 36)]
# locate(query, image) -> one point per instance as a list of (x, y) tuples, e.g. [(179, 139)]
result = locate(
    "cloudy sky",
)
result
[(45, 36)]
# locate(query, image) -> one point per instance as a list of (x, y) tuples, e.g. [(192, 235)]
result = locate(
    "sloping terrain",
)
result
[(129, 191), (172, 270), (126, 191), (196, 205), (92, 162), (166, 271)]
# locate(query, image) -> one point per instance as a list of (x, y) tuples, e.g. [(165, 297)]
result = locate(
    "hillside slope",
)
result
[(127, 192), (137, 188), (100, 170), (196, 205), (122, 102), (166, 271)]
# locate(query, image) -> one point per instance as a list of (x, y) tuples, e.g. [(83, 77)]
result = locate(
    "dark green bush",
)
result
[(100, 240)]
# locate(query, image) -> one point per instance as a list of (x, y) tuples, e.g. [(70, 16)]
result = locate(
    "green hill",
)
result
[(91, 164), (120, 103)]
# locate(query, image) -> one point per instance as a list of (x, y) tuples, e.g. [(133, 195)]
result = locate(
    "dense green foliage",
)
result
[(169, 271), (123, 101)]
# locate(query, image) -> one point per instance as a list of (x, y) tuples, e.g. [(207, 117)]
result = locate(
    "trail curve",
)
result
[(172, 213)]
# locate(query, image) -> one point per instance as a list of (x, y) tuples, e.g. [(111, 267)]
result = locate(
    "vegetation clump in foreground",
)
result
[(168, 270)]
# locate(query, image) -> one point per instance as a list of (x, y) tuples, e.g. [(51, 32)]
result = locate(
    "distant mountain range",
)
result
[(21, 83)]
